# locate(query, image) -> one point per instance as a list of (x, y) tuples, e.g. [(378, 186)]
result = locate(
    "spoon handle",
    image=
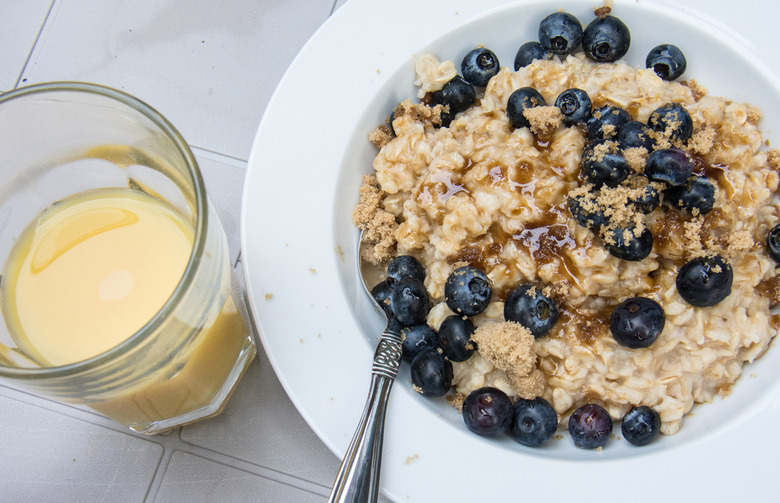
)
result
[(358, 476)]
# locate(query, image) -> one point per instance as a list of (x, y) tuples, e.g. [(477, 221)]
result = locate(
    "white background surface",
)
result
[(210, 67)]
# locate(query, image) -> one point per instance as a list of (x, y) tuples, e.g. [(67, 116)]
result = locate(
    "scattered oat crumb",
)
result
[(269, 296), (410, 459), (340, 252), (300, 340), (312, 270)]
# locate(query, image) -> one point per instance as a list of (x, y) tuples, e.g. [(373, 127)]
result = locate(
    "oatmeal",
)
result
[(484, 193)]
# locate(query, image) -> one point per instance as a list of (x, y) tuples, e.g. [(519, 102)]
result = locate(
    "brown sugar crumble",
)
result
[(773, 159), (380, 136), (698, 92), (378, 225), (509, 347), (544, 120), (419, 112), (702, 140)]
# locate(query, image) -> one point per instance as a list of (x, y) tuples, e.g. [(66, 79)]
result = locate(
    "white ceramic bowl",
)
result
[(319, 328)]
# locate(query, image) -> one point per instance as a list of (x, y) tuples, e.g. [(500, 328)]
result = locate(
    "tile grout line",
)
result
[(213, 153), (19, 78), (250, 467)]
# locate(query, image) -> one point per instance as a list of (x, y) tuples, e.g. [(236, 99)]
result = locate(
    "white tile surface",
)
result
[(20, 23), (261, 425), (184, 481), (209, 66), (52, 456)]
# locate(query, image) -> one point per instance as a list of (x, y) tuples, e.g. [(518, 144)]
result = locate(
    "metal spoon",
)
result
[(358, 476)]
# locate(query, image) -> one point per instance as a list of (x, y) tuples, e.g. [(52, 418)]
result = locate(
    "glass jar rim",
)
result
[(199, 240)]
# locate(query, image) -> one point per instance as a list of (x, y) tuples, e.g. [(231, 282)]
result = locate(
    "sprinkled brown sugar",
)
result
[(509, 347), (697, 91), (380, 136), (773, 159), (378, 225), (636, 158), (702, 141), (419, 112), (544, 120), (753, 115)]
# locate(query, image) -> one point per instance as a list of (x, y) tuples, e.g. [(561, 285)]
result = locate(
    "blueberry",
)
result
[(672, 119), (458, 94), (606, 39), (528, 52), (409, 301), (667, 60), (623, 243), (773, 243), (560, 33), (479, 66), (416, 339), (705, 281), (590, 426), (431, 373), (404, 266), (602, 167), (575, 105), (670, 165), (697, 196), (390, 123), (455, 338), (637, 322), (519, 101), (534, 422), (586, 212), (641, 425), (381, 293), (467, 291), (487, 411), (647, 201), (635, 134), (528, 306), (605, 122)]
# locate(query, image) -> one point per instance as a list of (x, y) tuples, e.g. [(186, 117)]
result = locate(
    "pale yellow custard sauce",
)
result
[(92, 270)]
